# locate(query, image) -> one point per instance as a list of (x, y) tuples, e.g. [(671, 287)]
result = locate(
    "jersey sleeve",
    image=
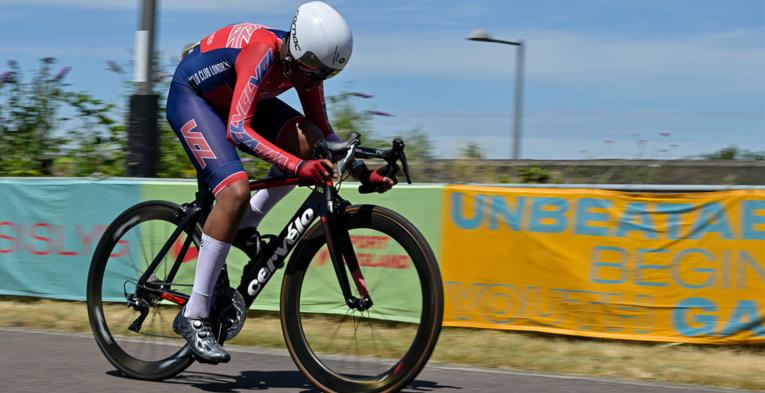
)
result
[(253, 66), (315, 108)]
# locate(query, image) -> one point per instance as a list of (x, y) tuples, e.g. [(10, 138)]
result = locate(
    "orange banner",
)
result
[(641, 266)]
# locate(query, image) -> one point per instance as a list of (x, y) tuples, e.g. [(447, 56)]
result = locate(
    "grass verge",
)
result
[(734, 367)]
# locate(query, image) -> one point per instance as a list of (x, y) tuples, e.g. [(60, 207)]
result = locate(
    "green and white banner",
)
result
[(49, 230)]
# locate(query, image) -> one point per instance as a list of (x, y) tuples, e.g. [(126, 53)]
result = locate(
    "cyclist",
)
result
[(223, 94)]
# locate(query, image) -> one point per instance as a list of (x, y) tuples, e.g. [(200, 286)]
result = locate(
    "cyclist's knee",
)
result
[(234, 197), (298, 137)]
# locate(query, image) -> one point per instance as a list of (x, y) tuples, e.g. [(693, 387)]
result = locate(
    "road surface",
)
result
[(41, 361)]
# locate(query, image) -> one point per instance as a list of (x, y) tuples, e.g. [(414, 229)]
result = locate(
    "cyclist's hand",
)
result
[(316, 171), (376, 179)]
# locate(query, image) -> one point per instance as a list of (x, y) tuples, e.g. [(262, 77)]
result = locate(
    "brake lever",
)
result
[(398, 148), (405, 167)]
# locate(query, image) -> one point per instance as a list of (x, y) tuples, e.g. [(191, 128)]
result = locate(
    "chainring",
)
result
[(230, 310)]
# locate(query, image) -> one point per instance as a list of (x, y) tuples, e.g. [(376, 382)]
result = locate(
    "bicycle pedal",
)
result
[(205, 361)]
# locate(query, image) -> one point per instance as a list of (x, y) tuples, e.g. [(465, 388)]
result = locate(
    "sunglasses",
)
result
[(316, 73), (312, 68)]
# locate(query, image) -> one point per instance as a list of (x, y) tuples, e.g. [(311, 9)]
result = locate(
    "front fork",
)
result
[(337, 236)]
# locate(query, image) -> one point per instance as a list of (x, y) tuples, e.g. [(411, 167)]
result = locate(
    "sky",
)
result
[(603, 78)]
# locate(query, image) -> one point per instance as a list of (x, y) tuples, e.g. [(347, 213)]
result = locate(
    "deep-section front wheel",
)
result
[(379, 349), (131, 323)]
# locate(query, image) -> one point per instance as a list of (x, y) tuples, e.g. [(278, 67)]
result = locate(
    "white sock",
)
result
[(264, 200), (212, 257)]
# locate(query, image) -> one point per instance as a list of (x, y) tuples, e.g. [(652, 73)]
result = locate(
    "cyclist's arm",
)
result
[(253, 65), (315, 110)]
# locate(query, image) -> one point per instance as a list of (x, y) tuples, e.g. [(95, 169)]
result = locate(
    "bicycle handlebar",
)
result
[(344, 152)]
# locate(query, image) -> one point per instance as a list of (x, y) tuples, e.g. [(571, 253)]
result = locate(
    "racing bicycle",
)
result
[(361, 300)]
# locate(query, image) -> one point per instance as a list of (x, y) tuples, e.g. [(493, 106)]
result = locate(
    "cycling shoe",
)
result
[(198, 333)]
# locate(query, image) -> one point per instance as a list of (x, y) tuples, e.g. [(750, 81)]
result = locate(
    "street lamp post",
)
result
[(143, 133), (481, 35)]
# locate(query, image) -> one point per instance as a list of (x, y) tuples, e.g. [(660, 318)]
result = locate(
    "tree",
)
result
[(173, 160), (98, 145), (33, 132), (345, 118), (37, 140), (418, 145), (734, 153), (533, 174), (472, 151)]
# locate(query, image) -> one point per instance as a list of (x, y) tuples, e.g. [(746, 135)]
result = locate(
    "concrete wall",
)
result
[(595, 171)]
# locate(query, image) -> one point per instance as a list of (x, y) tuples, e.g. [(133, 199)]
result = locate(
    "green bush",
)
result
[(533, 174)]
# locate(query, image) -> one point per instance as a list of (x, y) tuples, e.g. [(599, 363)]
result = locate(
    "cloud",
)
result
[(564, 134), (85, 52), (734, 35), (254, 6), (694, 63)]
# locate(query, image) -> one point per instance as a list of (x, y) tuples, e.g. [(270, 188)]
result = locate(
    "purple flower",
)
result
[(378, 113), (6, 77), (49, 60), (358, 94), (62, 74), (114, 67)]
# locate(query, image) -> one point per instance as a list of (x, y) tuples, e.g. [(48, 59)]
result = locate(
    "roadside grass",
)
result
[(740, 367)]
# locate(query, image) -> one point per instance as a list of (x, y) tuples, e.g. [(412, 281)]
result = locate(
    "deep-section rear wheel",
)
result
[(150, 351), (376, 350)]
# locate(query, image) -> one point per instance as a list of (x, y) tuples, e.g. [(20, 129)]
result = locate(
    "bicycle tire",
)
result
[(121, 351), (401, 371)]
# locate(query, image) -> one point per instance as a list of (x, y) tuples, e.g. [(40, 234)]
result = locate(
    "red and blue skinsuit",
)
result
[(224, 93)]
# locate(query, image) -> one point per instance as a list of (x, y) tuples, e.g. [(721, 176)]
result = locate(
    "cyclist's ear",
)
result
[(284, 50)]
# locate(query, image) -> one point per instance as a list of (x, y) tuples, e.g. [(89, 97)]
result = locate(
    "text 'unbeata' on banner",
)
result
[(684, 267)]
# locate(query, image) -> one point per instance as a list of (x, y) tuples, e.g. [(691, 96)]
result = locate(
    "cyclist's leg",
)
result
[(288, 129), (202, 133)]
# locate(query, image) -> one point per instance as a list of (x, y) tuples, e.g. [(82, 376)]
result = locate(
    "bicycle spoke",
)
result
[(146, 256), (334, 335), (164, 263), (363, 351), (152, 243), (122, 323), (374, 337), (144, 354), (125, 260)]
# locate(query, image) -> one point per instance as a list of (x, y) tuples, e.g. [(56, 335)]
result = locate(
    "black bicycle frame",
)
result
[(324, 204), (328, 206)]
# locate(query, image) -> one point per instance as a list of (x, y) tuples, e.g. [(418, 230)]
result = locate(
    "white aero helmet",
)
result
[(320, 40)]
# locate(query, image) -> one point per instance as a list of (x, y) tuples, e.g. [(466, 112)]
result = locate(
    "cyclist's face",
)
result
[(301, 79)]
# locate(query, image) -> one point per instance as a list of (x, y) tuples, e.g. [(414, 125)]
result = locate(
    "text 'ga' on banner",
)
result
[(660, 267)]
